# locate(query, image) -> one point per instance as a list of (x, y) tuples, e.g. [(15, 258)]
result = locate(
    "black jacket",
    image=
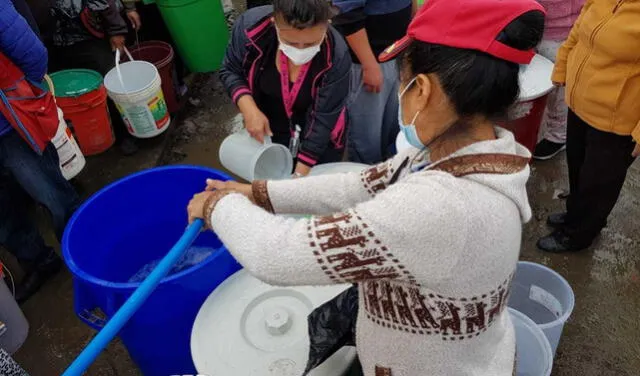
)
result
[(326, 120)]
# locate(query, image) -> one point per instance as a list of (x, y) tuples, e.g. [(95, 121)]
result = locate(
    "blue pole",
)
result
[(135, 301)]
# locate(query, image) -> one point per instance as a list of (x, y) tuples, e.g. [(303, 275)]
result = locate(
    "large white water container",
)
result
[(247, 327), (72, 160)]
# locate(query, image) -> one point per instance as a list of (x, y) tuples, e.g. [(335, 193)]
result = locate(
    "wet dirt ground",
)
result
[(601, 337)]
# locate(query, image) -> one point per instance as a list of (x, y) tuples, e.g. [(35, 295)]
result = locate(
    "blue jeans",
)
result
[(373, 117), (24, 173)]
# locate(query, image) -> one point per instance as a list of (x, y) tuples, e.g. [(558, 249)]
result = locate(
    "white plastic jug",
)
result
[(72, 160), (136, 89), (249, 159)]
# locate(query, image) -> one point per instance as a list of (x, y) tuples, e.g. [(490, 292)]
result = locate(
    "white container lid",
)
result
[(337, 168), (249, 328), (535, 79)]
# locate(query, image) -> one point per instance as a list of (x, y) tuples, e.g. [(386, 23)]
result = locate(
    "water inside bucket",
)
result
[(123, 256), (540, 310), (192, 256)]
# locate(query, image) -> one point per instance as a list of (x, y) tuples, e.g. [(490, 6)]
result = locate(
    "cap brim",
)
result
[(395, 49)]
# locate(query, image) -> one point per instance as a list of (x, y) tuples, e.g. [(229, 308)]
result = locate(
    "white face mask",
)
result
[(299, 56)]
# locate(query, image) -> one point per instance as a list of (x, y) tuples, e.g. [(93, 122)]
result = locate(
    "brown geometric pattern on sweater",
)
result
[(348, 250), (383, 371), (482, 164), (261, 195), (411, 309), (376, 178)]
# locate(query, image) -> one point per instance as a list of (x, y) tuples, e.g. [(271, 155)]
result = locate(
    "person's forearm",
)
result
[(359, 43), (246, 104), (113, 22)]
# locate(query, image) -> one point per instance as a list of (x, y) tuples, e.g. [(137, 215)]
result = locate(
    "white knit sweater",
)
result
[(433, 256)]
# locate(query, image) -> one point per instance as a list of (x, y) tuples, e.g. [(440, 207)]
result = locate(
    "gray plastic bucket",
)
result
[(17, 327), (544, 296)]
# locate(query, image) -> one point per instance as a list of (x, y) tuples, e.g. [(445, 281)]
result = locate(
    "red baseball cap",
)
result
[(469, 24)]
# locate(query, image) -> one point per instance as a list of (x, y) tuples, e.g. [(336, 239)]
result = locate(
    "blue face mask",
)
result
[(409, 130)]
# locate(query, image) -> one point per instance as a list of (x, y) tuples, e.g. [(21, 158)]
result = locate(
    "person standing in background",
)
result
[(86, 34), (599, 65), (287, 70), (369, 26), (24, 170), (561, 14)]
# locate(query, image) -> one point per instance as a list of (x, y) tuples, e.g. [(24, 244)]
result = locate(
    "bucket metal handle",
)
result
[(118, 56)]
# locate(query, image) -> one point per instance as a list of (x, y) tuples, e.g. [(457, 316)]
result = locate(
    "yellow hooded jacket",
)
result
[(600, 64)]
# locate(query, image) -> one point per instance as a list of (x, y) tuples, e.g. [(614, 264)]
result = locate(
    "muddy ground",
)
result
[(600, 339)]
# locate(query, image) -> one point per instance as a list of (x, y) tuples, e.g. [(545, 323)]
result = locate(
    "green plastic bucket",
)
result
[(199, 30)]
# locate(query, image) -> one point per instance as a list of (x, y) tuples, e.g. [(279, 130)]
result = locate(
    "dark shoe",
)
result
[(40, 274), (128, 146), (557, 220), (558, 242), (547, 150)]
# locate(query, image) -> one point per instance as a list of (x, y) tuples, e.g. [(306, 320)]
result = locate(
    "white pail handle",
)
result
[(118, 64)]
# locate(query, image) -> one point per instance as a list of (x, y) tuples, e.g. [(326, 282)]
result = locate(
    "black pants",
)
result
[(598, 163), (94, 54), (26, 177), (258, 3)]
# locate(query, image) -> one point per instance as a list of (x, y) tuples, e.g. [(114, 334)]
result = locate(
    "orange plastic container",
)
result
[(82, 98)]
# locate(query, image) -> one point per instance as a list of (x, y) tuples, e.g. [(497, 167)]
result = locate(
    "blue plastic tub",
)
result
[(125, 226)]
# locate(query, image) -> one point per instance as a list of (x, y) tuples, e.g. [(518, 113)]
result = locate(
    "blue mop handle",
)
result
[(135, 301)]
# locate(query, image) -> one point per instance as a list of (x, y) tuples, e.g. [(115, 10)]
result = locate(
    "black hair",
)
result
[(302, 14), (475, 82)]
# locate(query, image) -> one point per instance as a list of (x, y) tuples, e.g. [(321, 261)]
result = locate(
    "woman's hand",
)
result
[(257, 125), (636, 151), (117, 42), (372, 77), (197, 205), (301, 170), (135, 20), (245, 189)]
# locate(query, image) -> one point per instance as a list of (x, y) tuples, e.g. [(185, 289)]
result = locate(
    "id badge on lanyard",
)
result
[(289, 96)]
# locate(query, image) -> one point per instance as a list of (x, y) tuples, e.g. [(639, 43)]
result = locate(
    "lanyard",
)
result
[(289, 96)]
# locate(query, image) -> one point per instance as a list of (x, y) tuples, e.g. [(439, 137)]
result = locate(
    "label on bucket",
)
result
[(158, 109), (146, 118), (545, 298)]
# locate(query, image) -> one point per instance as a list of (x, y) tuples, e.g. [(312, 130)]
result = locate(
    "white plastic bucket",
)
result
[(249, 159), (17, 327), (72, 160), (136, 89), (544, 296), (533, 353)]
